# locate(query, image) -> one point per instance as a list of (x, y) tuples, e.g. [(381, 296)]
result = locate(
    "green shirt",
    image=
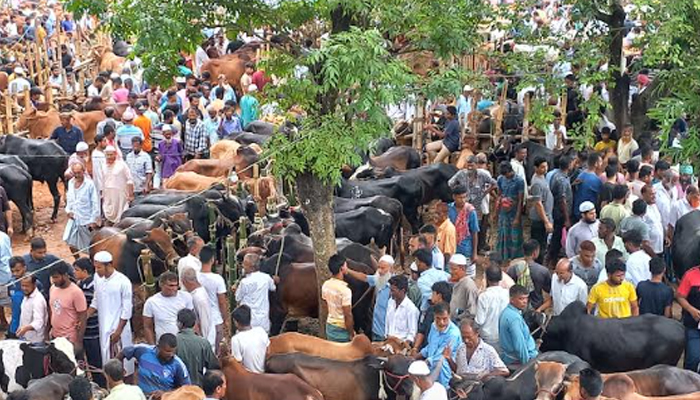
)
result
[(249, 110), (414, 292), (196, 353)]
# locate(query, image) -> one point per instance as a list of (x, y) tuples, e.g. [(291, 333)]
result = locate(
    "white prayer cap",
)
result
[(110, 149), (253, 88), (166, 127), (113, 76), (19, 71), (180, 79), (419, 368), (387, 259), (413, 267), (467, 88), (82, 146), (103, 257), (458, 259), (128, 116)]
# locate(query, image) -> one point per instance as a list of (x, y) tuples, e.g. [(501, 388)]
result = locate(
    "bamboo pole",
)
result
[(27, 99), (563, 104), (8, 112), (418, 124), (37, 61), (526, 114), (499, 113)]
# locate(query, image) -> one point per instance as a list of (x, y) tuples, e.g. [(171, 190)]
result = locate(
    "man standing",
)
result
[(655, 297), (34, 318), (446, 238), (464, 291), (379, 281), (615, 297), (37, 260), (253, 291), (191, 260), (657, 232), (585, 265), (160, 369), (249, 344), (465, 218), (194, 351), (170, 152), (638, 260), (118, 390), (68, 306), (518, 164), (585, 229), (616, 210), (82, 209), (67, 135), (510, 204), (589, 184), (99, 160), (118, 187), (113, 304), (195, 135), (566, 288), (340, 326), (84, 273), (127, 132), (145, 125), (563, 199), (160, 310), (249, 106), (141, 168), (421, 376), (541, 206), (430, 234), (401, 314), (531, 275), (5, 276), (491, 304), (428, 275), (214, 385), (475, 356), (215, 286), (517, 345), (444, 337), (688, 296), (200, 301), (606, 241)]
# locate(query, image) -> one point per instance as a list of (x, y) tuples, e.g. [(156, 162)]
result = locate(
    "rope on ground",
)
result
[(149, 219)]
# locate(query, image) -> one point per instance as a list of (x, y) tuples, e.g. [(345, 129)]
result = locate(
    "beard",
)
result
[(382, 280)]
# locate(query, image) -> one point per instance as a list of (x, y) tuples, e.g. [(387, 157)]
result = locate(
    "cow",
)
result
[(107, 60), (615, 345), (348, 380), (434, 180), (41, 124), (187, 392), (178, 224), (387, 204), (521, 385), (244, 385), (13, 160), (407, 190), (54, 386), (399, 158), (23, 362), (261, 128), (18, 184), (248, 138), (365, 225), (224, 149), (191, 181), (232, 65), (214, 168), (46, 161), (685, 246), (293, 342), (661, 380)]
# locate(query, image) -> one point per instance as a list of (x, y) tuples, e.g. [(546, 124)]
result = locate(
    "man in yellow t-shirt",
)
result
[(338, 296), (614, 298)]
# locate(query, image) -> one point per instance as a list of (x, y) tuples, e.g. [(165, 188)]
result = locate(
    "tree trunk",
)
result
[(316, 200), (619, 96)]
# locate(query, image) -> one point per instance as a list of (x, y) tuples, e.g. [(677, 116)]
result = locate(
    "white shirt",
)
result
[(200, 300), (680, 208), (19, 86), (93, 91), (188, 261), (519, 170), (656, 228), (436, 392), (638, 267), (253, 291), (664, 202), (214, 285), (99, 161), (34, 313), (164, 311), (113, 302), (564, 294), (200, 57), (249, 348), (402, 321), (489, 307), (551, 138)]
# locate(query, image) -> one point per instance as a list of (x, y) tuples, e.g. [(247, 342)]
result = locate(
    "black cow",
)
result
[(387, 204), (380, 146), (406, 189), (355, 251), (13, 160), (45, 158), (434, 180), (23, 362), (342, 380), (685, 246), (521, 384), (615, 345), (248, 138), (365, 225), (261, 128), (18, 185)]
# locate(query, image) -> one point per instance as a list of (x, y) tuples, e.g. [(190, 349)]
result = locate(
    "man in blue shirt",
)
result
[(517, 345), (428, 275), (430, 234), (67, 135), (380, 281), (466, 221), (440, 150), (38, 258), (159, 369), (588, 184), (444, 337)]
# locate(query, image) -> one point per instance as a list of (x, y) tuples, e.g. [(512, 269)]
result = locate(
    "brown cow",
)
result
[(188, 392), (4, 80), (191, 181), (107, 60), (224, 149), (621, 387), (232, 65), (244, 385), (399, 158), (211, 168), (293, 342), (41, 124)]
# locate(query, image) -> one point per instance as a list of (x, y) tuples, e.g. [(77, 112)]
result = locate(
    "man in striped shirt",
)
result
[(195, 136)]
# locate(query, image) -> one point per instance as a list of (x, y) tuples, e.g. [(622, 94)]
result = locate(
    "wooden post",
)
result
[(49, 94), (29, 54), (27, 99), (499, 113), (418, 124), (526, 114), (562, 105), (147, 272), (8, 112), (37, 62)]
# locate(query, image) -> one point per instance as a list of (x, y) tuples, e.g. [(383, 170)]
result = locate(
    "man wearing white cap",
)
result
[(585, 229), (464, 291), (249, 106), (20, 84), (113, 304), (464, 105), (79, 157), (420, 375), (117, 186), (380, 281), (128, 131), (83, 210)]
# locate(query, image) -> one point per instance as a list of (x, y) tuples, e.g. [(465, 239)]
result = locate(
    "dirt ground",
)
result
[(52, 233)]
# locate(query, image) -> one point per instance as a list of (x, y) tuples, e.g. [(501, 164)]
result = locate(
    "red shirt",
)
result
[(690, 289), (260, 80)]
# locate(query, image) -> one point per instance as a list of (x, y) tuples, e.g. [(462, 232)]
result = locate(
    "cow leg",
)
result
[(27, 219), (53, 187)]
